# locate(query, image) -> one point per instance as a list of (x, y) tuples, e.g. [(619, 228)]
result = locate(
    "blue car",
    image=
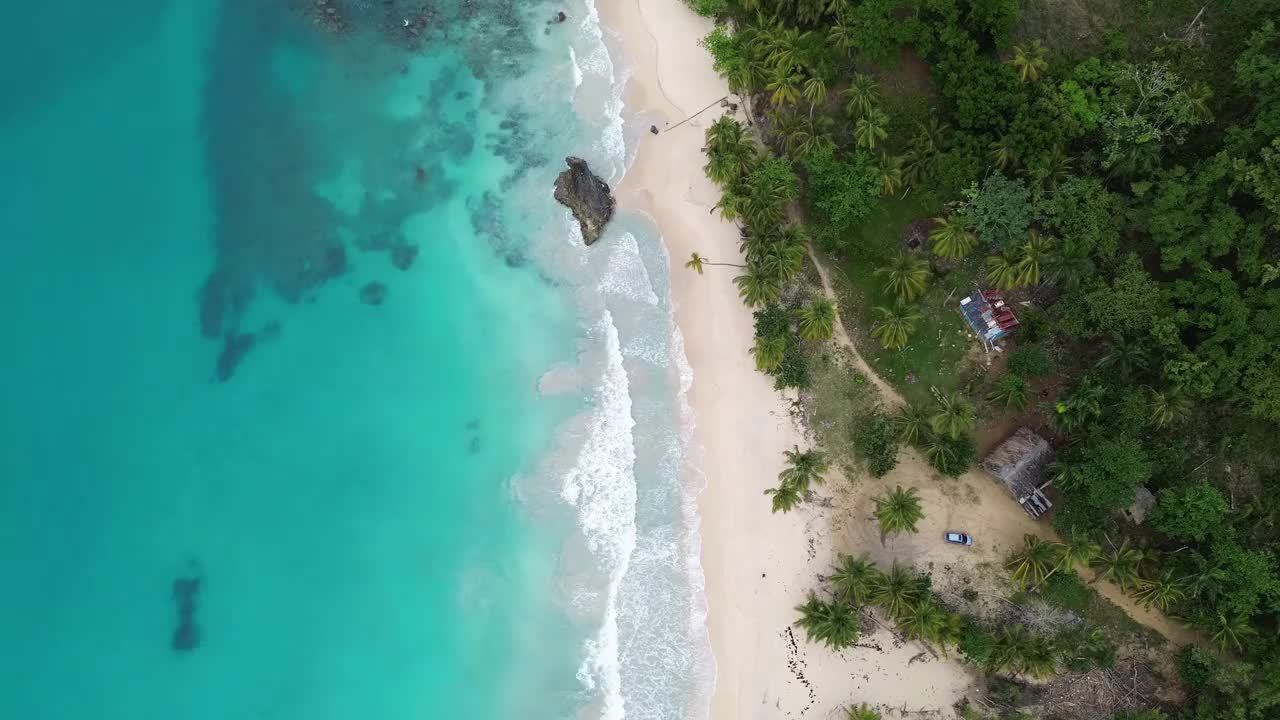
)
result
[(958, 538)]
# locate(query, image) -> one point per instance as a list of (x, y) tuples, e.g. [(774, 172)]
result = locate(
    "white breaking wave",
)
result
[(625, 275), (577, 70), (612, 141), (601, 485)]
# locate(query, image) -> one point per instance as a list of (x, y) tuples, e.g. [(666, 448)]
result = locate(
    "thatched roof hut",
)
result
[(1019, 462)]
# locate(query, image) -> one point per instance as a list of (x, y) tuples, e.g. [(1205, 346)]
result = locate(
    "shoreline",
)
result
[(757, 566)]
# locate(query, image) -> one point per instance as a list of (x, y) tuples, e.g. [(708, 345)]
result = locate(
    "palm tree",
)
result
[(861, 712), (1012, 645), (898, 511), (757, 288), (861, 97), (1003, 152), (904, 276), (785, 87), (726, 135), (1003, 272), (1039, 659), (921, 159), (889, 172), (783, 260), (951, 632), (785, 497), (1167, 407), (697, 262), (912, 422), (802, 136), (871, 129), (1163, 591), (1052, 169), (769, 351), (1029, 61), (1202, 577), (1119, 564), (854, 579), (1227, 631), (1123, 355), (803, 468), (896, 590), (1011, 391), (895, 325), (1036, 252), (725, 167), (951, 237), (1198, 95), (954, 417), (818, 319), (1078, 409), (815, 91), (1034, 563), (922, 620), (834, 624), (1077, 550)]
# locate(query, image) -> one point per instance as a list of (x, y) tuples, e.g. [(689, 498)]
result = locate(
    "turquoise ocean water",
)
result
[(316, 407)]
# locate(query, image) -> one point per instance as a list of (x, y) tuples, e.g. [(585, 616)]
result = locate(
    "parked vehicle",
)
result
[(958, 538)]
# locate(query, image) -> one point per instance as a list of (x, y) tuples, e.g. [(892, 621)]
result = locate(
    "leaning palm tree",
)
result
[(697, 263), (898, 511), (905, 276), (834, 624), (861, 712), (769, 351), (922, 620), (818, 319), (1163, 591), (862, 96), (1029, 61), (854, 579), (785, 497), (889, 173), (871, 129), (912, 422), (896, 590), (1034, 254), (803, 468), (955, 415), (815, 91), (758, 288), (895, 325), (951, 237), (1032, 565)]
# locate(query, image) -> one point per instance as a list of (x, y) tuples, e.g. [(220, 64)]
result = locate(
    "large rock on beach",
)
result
[(587, 196)]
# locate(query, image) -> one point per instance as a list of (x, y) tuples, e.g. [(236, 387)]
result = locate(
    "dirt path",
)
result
[(890, 396)]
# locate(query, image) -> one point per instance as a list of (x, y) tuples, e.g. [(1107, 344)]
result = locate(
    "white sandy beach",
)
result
[(758, 565)]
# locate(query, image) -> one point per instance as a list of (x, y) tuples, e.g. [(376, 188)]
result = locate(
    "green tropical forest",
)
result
[(1113, 167)]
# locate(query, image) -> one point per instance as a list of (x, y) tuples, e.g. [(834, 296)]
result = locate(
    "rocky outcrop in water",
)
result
[(587, 196)]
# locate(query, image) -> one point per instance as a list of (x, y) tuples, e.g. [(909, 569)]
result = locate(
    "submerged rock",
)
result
[(587, 196), (234, 348), (373, 293), (402, 256), (186, 636)]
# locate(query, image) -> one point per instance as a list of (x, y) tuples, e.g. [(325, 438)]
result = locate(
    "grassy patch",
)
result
[(1068, 591), (843, 400), (934, 356)]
